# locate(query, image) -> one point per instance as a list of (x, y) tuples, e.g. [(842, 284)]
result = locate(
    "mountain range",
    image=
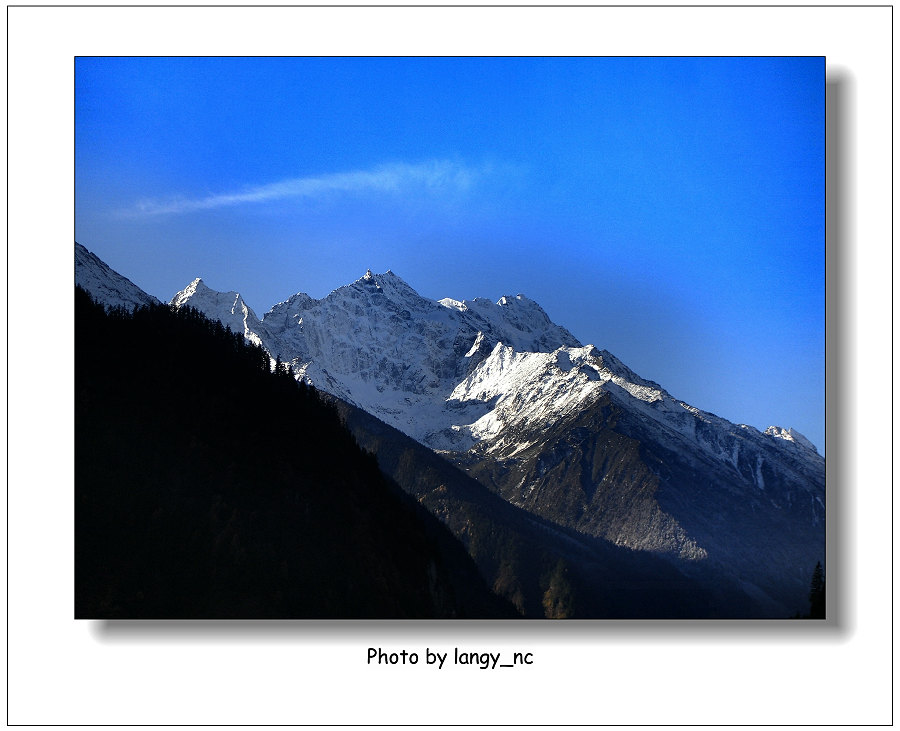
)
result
[(501, 422)]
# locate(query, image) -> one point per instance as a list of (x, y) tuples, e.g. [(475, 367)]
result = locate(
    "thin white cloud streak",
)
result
[(440, 176)]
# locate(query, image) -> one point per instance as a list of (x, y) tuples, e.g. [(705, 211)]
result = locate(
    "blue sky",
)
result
[(669, 210)]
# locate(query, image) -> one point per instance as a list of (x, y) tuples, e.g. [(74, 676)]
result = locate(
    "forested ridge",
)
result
[(206, 486)]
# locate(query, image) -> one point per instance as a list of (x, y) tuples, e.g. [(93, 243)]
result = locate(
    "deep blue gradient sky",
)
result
[(669, 210)]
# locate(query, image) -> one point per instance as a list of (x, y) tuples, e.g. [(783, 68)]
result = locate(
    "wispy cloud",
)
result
[(435, 176)]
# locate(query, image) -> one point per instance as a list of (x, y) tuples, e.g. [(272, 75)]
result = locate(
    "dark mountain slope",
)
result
[(607, 472), (206, 487), (546, 570)]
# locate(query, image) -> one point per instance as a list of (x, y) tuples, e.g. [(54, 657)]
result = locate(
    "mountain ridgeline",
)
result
[(572, 486)]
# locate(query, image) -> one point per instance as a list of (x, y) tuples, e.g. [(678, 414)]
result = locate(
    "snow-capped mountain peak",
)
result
[(380, 345), (182, 297), (106, 285), (458, 373), (227, 307), (516, 321)]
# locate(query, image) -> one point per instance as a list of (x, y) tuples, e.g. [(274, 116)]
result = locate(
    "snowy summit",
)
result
[(456, 374)]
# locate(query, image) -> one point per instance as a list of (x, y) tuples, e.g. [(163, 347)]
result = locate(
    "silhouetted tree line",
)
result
[(209, 485), (817, 593)]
